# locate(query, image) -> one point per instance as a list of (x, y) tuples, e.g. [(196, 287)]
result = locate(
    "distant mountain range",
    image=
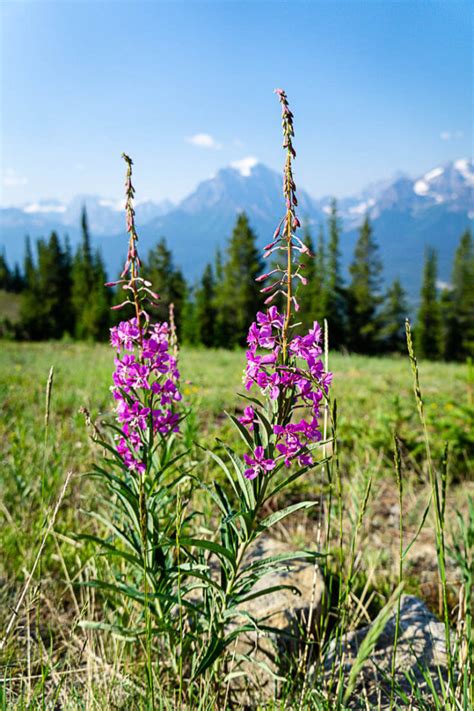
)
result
[(407, 215)]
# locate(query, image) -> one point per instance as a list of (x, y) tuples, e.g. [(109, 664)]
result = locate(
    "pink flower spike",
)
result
[(270, 298), (266, 289)]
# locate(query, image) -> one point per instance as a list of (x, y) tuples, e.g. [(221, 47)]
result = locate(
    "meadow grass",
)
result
[(375, 399)]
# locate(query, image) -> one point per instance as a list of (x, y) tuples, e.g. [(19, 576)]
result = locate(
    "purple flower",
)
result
[(139, 383), (248, 418), (258, 464)]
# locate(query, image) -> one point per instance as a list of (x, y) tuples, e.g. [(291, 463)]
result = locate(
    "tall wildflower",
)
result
[(146, 377), (286, 369), (280, 429)]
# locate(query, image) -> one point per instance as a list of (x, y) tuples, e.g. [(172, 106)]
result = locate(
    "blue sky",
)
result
[(185, 88)]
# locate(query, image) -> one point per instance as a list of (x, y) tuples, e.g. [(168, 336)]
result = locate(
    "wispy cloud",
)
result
[(203, 140), (245, 165), (450, 135), (12, 179)]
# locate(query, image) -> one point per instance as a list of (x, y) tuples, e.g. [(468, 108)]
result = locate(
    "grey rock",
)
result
[(421, 649)]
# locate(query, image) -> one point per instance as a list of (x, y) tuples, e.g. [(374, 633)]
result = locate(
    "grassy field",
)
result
[(374, 397)]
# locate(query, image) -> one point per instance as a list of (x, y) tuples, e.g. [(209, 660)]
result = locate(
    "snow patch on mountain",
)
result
[(245, 165), (44, 207), (362, 207), (432, 174), (464, 167)]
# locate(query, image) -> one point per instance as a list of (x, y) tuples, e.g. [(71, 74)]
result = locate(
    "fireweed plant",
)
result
[(140, 470), (286, 390)]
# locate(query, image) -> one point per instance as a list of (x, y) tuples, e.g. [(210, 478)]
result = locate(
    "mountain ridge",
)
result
[(407, 214)]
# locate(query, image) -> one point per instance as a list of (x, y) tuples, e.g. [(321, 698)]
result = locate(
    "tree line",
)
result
[(62, 293)]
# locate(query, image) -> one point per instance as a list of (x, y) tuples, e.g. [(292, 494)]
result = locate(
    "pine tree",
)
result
[(319, 286), (45, 304), (363, 291), (167, 281), (463, 298), (428, 324), (220, 329), (17, 280), (205, 310), (29, 304), (335, 298), (305, 292), (96, 313), (5, 273), (90, 298), (392, 337), (189, 333), (239, 295), (82, 275), (449, 325)]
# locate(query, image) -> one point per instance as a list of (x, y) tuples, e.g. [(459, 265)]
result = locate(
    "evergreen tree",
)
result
[(335, 297), (319, 286), (392, 320), (205, 309), (82, 275), (428, 325), (5, 273), (29, 303), (449, 326), (363, 292), (220, 328), (305, 292), (96, 317), (90, 298), (463, 298), (167, 281), (10, 280), (239, 295), (45, 305), (17, 282), (188, 318)]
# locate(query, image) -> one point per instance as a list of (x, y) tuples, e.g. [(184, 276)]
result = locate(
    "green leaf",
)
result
[(213, 651), (245, 484), (266, 591), (202, 543), (243, 431), (267, 429), (250, 399), (117, 630), (276, 560), (132, 559), (279, 515), (224, 468)]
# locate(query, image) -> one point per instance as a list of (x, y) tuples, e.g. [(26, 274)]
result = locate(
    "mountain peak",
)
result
[(245, 165)]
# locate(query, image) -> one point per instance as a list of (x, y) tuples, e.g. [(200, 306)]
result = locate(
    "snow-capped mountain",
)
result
[(105, 217), (407, 214), (451, 185)]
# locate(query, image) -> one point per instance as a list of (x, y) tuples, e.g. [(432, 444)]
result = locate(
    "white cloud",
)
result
[(36, 207), (203, 140), (450, 135), (245, 165), (11, 179)]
